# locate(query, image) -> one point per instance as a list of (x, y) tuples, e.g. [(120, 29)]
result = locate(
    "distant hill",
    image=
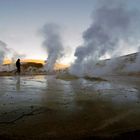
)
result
[(127, 64), (7, 61)]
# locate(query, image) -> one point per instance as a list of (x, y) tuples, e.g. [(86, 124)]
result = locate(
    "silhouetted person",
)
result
[(18, 66)]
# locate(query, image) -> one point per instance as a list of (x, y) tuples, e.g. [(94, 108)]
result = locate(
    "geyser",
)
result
[(52, 44), (113, 23), (3, 51)]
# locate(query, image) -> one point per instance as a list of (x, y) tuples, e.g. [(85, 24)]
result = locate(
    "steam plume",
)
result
[(134, 67), (52, 44), (16, 55), (111, 25), (3, 50)]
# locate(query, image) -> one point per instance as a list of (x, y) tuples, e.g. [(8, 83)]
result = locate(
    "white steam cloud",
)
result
[(134, 67), (3, 51), (113, 23), (52, 44), (16, 55)]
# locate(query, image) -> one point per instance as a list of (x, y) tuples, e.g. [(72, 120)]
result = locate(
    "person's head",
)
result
[(19, 60)]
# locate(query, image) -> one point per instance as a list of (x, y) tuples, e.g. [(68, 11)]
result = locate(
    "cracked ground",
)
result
[(45, 107)]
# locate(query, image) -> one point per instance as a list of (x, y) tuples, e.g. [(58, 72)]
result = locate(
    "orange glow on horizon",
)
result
[(7, 61), (57, 65)]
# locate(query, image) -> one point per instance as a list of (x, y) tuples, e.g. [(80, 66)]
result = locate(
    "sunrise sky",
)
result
[(21, 20)]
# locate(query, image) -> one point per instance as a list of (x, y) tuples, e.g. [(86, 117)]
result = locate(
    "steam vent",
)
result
[(69, 70)]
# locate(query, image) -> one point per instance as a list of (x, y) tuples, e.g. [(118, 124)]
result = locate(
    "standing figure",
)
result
[(18, 66)]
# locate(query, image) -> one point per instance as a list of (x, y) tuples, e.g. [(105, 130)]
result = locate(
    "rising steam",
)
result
[(134, 67), (112, 24), (3, 51), (16, 55), (52, 44)]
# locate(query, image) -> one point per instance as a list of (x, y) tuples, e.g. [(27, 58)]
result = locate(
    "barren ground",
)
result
[(43, 107)]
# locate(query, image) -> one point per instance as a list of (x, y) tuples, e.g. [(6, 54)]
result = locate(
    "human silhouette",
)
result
[(18, 66)]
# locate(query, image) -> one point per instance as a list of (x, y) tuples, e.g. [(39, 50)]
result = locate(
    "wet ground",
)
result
[(43, 107)]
